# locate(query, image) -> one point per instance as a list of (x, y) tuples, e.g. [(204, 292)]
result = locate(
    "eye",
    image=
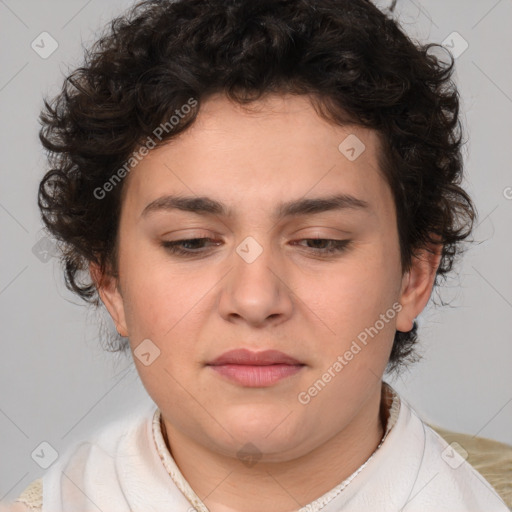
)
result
[(327, 246), (177, 246)]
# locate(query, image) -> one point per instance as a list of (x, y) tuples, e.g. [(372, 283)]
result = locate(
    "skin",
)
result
[(290, 299)]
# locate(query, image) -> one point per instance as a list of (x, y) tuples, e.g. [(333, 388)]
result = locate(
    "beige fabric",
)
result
[(32, 496), (17, 507), (30, 500), (492, 459)]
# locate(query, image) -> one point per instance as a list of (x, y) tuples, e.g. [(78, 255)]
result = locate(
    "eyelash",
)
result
[(337, 246)]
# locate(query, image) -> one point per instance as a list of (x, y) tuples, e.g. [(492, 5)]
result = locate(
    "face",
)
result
[(260, 263)]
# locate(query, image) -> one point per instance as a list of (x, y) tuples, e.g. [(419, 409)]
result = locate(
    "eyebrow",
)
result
[(203, 205)]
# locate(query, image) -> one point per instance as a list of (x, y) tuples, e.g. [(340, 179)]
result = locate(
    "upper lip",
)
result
[(249, 357)]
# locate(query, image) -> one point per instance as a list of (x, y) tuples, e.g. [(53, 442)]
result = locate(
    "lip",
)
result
[(255, 369), (248, 357)]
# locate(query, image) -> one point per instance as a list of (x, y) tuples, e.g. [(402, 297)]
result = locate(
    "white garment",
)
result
[(126, 468)]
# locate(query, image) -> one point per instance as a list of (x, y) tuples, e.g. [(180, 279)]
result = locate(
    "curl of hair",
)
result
[(353, 61)]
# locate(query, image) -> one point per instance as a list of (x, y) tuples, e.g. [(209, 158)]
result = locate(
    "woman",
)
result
[(263, 195)]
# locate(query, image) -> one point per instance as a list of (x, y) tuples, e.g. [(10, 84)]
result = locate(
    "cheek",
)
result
[(357, 303), (155, 294), (355, 292), (168, 307)]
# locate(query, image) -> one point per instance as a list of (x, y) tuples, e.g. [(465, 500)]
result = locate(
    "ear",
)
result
[(417, 284), (108, 289)]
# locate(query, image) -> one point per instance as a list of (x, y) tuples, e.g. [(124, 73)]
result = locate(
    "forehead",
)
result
[(271, 151)]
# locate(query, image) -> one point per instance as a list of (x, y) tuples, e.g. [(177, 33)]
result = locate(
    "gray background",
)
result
[(57, 385)]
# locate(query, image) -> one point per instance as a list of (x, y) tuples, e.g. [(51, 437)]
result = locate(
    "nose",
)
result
[(256, 290)]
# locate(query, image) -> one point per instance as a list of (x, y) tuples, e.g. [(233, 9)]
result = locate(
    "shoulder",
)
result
[(445, 469), (433, 475), (491, 459), (107, 438), (99, 449)]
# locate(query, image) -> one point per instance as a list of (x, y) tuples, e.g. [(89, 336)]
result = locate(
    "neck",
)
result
[(224, 484)]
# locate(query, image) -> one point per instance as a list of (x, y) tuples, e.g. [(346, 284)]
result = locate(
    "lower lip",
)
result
[(256, 376)]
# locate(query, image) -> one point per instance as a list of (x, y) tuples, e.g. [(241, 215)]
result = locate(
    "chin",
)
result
[(274, 434)]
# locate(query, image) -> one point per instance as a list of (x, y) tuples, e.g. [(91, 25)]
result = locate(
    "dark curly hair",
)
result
[(353, 61)]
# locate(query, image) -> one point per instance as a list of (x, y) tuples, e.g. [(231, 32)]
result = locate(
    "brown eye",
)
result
[(185, 247), (326, 246)]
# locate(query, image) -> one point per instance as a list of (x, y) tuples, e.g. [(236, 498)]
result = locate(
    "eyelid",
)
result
[(326, 231), (190, 233)]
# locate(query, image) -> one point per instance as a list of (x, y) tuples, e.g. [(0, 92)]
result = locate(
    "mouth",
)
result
[(255, 369)]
